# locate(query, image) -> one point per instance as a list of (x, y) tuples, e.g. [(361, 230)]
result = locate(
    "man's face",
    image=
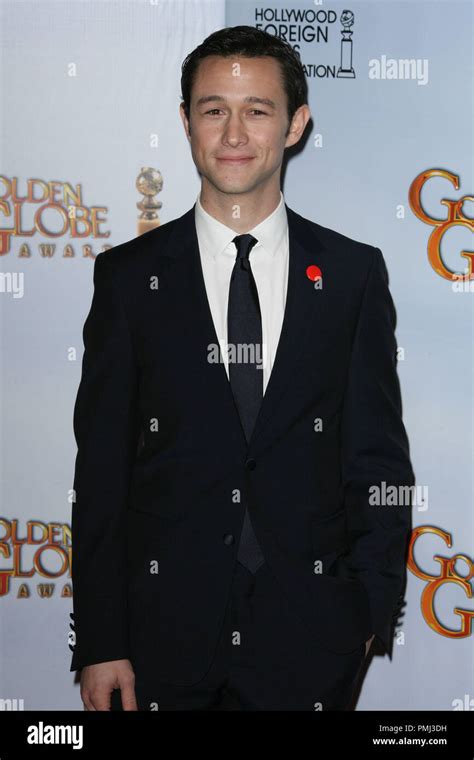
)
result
[(237, 145)]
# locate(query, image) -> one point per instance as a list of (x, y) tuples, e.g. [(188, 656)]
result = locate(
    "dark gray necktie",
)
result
[(244, 335)]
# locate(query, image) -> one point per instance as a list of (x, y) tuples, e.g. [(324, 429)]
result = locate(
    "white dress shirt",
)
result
[(269, 263)]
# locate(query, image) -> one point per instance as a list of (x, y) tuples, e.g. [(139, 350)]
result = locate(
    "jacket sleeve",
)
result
[(375, 450), (106, 426)]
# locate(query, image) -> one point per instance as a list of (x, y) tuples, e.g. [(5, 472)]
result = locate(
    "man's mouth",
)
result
[(235, 160)]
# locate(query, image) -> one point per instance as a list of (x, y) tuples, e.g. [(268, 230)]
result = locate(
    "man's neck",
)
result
[(241, 211)]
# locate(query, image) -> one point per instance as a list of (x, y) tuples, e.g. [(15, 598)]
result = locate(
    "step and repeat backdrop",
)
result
[(92, 142)]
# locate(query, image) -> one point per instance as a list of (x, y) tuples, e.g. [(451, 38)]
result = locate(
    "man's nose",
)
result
[(234, 132)]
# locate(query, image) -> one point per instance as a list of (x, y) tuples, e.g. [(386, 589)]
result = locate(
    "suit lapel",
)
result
[(184, 279), (305, 307)]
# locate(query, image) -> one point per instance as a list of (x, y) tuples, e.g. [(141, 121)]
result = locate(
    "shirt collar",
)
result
[(214, 236)]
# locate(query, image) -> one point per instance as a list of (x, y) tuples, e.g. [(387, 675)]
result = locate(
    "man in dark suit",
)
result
[(239, 402)]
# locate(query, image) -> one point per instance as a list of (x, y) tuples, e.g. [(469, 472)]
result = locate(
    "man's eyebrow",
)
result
[(248, 99)]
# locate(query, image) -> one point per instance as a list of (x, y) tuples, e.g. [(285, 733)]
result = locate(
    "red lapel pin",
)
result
[(314, 273)]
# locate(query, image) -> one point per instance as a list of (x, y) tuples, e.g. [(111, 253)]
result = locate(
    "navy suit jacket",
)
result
[(163, 471)]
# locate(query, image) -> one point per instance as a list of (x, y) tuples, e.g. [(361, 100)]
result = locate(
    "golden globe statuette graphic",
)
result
[(149, 183), (346, 70)]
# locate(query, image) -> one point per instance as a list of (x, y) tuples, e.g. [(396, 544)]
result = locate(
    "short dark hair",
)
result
[(249, 42)]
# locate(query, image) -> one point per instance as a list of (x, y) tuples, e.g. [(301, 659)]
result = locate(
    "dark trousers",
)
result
[(266, 659)]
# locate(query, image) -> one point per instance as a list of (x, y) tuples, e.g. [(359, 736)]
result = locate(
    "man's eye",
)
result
[(254, 110)]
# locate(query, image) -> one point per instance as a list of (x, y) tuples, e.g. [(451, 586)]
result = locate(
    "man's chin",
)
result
[(233, 188)]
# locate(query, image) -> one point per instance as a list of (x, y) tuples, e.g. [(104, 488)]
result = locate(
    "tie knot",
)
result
[(244, 244)]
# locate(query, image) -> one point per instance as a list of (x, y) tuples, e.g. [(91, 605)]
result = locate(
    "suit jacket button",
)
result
[(228, 539), (250, 464)]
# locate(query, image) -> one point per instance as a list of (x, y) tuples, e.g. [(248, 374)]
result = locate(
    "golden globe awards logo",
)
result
[(39, 549), (455, 217), (309, 27), (51, 209), (448, 574)]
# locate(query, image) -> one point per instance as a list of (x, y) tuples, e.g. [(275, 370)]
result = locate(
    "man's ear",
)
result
[(298, 125), (185, 120)]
